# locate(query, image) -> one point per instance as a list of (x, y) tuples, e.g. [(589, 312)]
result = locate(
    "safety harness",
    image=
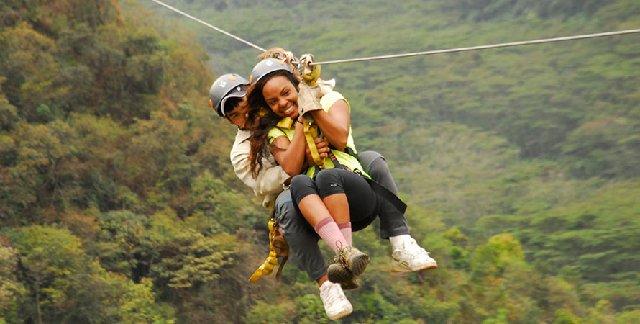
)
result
[(278, 248)]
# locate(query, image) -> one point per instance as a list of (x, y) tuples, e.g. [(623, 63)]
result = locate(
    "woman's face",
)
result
[(281, 96)]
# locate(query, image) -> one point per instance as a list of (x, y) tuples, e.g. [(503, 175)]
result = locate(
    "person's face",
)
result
[(238, 115), (281, 96)]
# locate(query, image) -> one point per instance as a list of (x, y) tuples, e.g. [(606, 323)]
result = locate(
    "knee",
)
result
[(379, 169), (376, 164), (301, 181), (284, 206), (329, 182), (302, 186), (367, 159)]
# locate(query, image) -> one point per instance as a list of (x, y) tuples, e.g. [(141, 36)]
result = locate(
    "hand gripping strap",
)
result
[(310, 134)]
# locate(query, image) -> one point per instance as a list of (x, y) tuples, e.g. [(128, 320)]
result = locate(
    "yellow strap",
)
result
[(271, 261), (286, 122), (310, 75), (310, 134)]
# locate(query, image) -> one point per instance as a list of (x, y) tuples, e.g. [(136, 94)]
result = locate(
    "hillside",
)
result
[(118, 203), (537, 141)]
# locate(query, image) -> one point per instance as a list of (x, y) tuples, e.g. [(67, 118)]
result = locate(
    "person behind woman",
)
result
[(227, 99), (335, 201)]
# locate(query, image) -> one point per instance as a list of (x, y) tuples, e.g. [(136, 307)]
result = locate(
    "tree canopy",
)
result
[(118, 202)]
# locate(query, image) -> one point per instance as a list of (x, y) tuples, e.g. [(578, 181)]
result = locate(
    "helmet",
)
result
[(227, 86), (267, 66)]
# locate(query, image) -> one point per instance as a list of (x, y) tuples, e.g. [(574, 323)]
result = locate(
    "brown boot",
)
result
[(353, 259), (338, 273)]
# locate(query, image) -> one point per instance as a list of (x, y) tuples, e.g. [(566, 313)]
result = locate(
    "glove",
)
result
[(322, 87), (307, 99), (310, 74), (326, 86)]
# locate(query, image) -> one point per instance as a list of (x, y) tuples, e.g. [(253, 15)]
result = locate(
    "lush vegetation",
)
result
[(118, 203)]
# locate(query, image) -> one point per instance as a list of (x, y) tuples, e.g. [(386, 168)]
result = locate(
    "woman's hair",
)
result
[(262, 118)]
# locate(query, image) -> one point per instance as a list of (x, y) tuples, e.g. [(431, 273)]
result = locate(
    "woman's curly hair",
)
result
[(262, 118)]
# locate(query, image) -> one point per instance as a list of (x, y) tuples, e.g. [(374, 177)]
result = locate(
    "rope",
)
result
[(482, 47), (433, 52), (209, 25)]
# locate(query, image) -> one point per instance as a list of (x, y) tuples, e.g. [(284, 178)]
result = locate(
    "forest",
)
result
[(118, 202)]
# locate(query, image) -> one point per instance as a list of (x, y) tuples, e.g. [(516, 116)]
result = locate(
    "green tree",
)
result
[(65, 285), (11, 289)]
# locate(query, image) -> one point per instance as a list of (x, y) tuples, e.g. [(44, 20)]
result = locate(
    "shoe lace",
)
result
[(342, 254)]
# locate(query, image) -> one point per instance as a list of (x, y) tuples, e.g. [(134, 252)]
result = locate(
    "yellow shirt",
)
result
[(344, 158)]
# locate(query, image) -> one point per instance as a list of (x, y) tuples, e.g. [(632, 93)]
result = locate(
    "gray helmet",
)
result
[(227, 86), (267, 66)]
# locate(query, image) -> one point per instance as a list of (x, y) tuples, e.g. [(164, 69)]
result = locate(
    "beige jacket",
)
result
[(270, 181)]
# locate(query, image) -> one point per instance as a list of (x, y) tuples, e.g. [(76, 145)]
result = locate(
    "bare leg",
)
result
[(316, 213), (313, 209), (338, 207), (322, 279)]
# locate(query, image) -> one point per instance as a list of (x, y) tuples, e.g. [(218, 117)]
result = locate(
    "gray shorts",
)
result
[(302, 239)]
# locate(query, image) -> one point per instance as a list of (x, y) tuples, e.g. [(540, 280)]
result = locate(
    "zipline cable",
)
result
[(209, 25), (432, 52), (481, 47)]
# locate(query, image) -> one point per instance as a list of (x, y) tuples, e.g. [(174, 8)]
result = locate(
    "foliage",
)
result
[(11, 289), (521, 141), (118, 203), (65, 285)]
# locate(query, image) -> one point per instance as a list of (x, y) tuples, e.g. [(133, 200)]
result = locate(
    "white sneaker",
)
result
[(336, 304), (409, 256)]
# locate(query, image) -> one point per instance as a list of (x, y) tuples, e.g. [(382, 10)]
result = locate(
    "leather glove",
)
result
[(326, 86), (310, 74), (307, 99)]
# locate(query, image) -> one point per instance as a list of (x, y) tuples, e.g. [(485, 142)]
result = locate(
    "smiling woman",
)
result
[(281, 91), (277, 86), (281, 96)]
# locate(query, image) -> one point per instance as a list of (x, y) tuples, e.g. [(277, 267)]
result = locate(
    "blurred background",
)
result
[(520, 166)]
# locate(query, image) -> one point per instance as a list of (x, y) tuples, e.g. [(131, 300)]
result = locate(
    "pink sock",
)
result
[(345, 228), (330, 233)]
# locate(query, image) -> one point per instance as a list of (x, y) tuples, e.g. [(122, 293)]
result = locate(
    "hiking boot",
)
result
[(336, 304), (338, 273), (350, 284), (353, 259), (409, 256)]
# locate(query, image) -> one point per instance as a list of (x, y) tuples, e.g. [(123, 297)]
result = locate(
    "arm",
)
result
[(270, 178), (322, 146), (290, 155), (334, 123)]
